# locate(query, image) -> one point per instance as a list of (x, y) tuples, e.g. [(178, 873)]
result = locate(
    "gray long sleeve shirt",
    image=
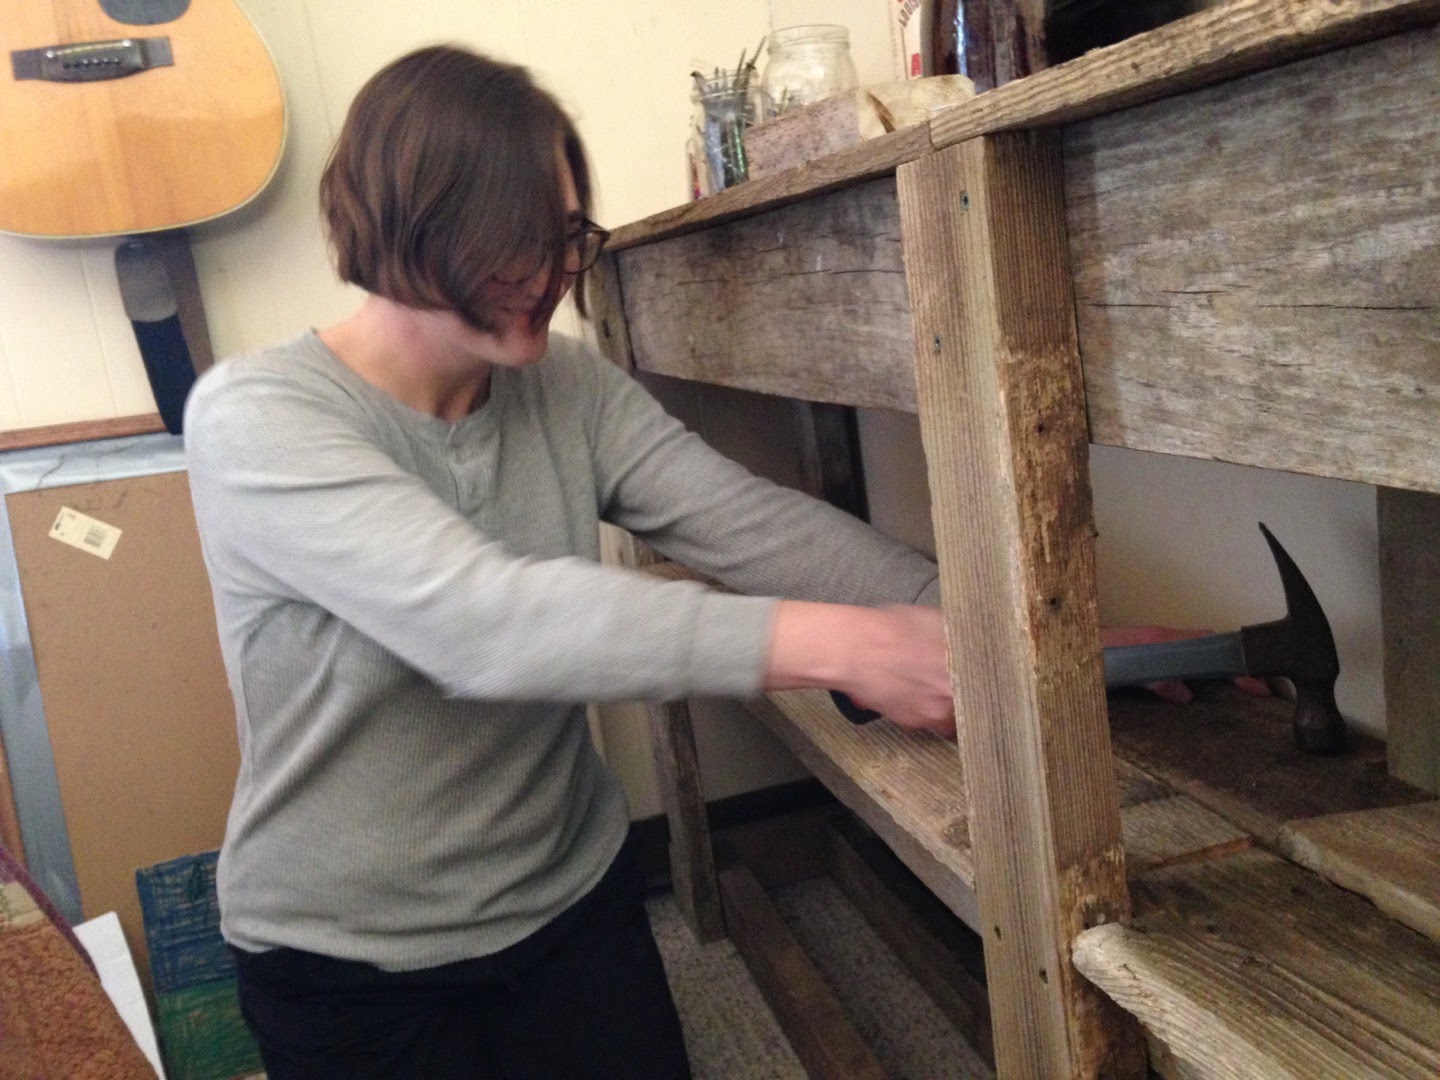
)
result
[(412, 613)]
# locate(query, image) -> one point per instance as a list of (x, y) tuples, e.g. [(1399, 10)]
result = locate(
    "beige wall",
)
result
[(1178, 538)]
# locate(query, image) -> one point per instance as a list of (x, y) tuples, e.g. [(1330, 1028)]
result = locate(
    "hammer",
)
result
[(1299, 647)]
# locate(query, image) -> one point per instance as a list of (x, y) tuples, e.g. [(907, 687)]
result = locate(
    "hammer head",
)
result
[(1301, 648)]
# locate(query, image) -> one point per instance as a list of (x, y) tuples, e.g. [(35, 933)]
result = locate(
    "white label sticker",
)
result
[(76, 529)]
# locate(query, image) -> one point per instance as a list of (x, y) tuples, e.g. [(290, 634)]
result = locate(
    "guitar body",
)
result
[(193, 137)]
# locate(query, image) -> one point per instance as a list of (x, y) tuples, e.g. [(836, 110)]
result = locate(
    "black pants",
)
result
[(584, 997)]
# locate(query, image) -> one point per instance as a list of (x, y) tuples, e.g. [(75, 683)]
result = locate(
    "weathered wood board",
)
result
[(907, 786), (1250, 968), (1257, 267), (1003, 424), (814, 1021), (1236, 755), (1409, 528), (1391, 856), (808, 301)]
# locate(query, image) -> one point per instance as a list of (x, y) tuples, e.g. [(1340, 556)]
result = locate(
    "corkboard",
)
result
[(136, 702)]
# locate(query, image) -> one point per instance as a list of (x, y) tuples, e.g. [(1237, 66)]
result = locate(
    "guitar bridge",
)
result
[(92, 61)]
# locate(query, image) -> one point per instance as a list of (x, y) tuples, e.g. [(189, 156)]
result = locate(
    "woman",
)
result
[(423, 874)]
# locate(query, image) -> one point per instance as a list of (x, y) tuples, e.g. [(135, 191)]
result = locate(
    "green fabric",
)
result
[(202, 1034)]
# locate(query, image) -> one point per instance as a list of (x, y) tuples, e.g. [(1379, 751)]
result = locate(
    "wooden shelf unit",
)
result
[(1218, 240)]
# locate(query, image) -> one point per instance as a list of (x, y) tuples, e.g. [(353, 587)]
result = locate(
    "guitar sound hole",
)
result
[(144, 12)]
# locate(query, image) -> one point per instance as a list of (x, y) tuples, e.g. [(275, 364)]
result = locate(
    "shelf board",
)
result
[(1236, 755), (1390, 855), (1251, 966), (909, 788)]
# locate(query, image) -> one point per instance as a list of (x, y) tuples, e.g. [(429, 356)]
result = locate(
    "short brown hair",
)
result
[(445, 176)]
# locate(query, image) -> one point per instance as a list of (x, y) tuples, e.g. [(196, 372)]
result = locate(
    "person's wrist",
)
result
[(811, 645)]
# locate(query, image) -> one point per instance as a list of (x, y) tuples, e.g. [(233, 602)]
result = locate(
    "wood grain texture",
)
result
[(1175, 829), (162, 149), (807, 301), (1256, 268), (1409, 528), (1236, 755), (802, 135), (907, 786), (82, 431), (1391, 856), (1250, 968), (1226, 42), (692, 862), (864, 161), (815, 1023), (1002, 418), (606, 304)]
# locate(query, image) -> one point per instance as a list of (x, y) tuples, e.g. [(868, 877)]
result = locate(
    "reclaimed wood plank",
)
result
[(1250, 968), (1255, 268), (808, 301), (1236, 755), (1002, 419), (864, 161), (1391, 856), (907, 786), (1211, 46), (814, 1021), (606, 305), (1175, 829), (1409, 527)]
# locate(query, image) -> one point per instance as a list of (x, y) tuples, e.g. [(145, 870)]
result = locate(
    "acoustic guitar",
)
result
[(129, 116), (137, 118)]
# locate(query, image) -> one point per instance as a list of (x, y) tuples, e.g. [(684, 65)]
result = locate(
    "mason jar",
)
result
[(721, 111), (806, 64)]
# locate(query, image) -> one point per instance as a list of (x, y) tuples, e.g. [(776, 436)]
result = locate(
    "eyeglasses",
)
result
[(583, 245)]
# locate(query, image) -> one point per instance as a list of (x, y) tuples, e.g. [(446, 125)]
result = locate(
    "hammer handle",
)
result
[(1214, 656)]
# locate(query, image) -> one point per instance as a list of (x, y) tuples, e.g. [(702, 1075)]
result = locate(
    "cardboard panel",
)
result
[(136, 701)]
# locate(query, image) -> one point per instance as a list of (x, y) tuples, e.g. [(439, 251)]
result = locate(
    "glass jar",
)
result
[(723, 107), (806, 64)]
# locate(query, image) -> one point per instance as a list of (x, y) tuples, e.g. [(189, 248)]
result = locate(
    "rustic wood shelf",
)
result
[(1218, 240), (1249, 966)]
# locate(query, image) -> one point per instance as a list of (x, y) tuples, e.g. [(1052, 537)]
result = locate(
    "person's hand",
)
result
[(889, 659), (1173, 689)]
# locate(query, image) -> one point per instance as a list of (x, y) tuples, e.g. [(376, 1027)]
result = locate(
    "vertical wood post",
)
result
[(1002, 415), (693, 877), (1409, 524)]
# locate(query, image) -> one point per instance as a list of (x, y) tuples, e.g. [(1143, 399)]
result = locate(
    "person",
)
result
[(424, 871)]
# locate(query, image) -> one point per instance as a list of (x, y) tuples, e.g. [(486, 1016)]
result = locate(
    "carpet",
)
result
[(731, 1033)]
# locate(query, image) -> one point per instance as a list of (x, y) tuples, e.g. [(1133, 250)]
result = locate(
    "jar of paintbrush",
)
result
[(724, 104)]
